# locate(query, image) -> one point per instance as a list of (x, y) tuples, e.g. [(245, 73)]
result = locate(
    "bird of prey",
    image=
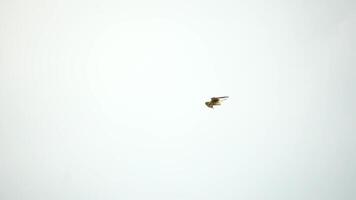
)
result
[(215, 101)]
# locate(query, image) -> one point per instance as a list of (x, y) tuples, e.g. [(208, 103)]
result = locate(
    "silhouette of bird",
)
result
[(215, 101)]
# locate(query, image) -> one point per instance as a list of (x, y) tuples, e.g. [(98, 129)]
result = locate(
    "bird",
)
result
[(215, 101)]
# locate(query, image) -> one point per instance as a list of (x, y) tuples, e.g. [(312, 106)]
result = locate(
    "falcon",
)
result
[(215, 101)]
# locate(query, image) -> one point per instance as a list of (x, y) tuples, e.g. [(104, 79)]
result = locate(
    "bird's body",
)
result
[(215, 101)]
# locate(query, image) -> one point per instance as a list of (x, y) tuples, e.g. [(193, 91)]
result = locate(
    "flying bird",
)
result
[(215, 101)]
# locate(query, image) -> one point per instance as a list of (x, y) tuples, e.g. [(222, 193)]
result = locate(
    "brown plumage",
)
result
[(215, 101)]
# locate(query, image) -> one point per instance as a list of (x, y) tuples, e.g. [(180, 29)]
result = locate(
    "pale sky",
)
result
[(104, 100)]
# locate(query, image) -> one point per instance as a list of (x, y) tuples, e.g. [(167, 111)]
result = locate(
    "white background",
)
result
[(105, 100)]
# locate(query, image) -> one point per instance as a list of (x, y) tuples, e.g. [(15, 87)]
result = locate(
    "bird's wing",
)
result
[(208, 104), (223, 97)]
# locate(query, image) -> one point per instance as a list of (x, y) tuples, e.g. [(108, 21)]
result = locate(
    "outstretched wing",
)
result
[(223, 97), (217, 99)]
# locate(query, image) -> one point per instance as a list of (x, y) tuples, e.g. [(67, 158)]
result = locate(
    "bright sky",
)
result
[(105, 100)]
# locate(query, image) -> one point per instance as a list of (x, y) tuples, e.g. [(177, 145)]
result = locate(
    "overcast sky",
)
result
[(104, 100)]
